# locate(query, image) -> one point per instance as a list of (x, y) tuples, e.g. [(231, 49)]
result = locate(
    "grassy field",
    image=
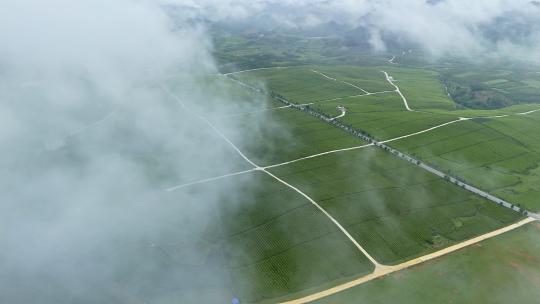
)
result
[(505, 269)]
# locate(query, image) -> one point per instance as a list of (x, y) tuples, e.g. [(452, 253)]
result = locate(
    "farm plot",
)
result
[(369, 79), (499, 155), (272, 242), (422, 88), (382, 116), (299, 85), (504, 269), (287, 134), (394, 209)]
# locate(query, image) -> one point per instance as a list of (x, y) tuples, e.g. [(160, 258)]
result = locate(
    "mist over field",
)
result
[(471, 29), (90, 142), (108, 107)]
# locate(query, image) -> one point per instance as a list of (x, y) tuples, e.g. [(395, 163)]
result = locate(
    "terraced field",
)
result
[(301, 85)]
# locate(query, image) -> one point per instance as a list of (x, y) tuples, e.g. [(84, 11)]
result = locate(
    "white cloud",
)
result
[(447, 27), (90, 142)]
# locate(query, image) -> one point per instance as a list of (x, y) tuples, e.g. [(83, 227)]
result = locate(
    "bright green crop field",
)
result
[(396, 210), (499, 155), (505, 269)]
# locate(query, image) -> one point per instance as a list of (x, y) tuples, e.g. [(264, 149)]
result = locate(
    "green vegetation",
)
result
[(499, 155), (505, 269), (274, 242), (393, 208), (286, 135), (505, 150), (383, 116), (422, 88)]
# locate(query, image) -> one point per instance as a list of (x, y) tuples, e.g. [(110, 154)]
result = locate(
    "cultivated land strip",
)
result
[(390, 269), (211, 179), (345, 82), (258, 168)]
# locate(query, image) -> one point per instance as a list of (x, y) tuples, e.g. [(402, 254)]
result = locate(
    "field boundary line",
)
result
[(317, 155), (345, 82), (391, 82), (251, 112), (391, 269), (347, 234), (252, 70), (505, 115), (425, 131), (210, 124), (94, 123), (206, 180), (61, 140)]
